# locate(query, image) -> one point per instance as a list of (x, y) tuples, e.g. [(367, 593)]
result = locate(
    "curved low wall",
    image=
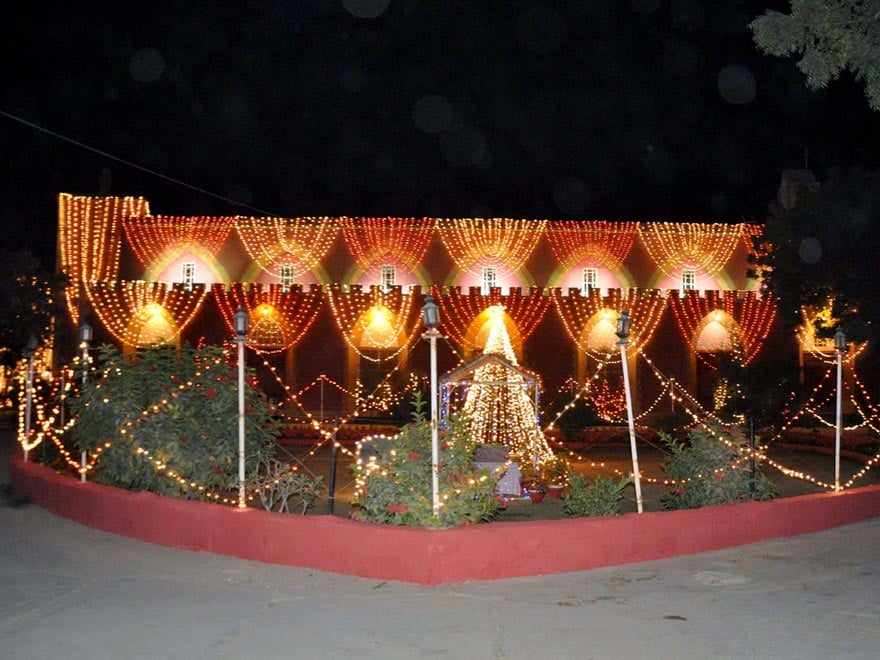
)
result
[(471, 552)]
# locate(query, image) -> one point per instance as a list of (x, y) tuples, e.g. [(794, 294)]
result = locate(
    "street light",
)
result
[(85, 340), (240, 323), (431, 319), (840, 349), (623, 325), (29, 351)]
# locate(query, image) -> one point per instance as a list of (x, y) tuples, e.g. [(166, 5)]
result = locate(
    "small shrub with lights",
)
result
[(707, 470), (394, 483), (599, 498), (165, 421)]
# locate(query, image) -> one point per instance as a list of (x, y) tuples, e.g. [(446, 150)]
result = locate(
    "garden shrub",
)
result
[(599, 498), (276, 484), (708, 471), (180, 406), (394, 486)]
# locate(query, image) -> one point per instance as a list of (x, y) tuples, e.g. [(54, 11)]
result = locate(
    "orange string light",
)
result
[(703, 246), (501, 242), (370, 240), (298, 244), (151, 236), (278, 318), (575, 241)]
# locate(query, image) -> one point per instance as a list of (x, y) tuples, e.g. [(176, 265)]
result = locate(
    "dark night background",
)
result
[(629, 109)]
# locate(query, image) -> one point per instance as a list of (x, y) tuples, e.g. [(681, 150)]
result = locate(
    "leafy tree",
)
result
[(824, 250), (29, 298), (831, 36)]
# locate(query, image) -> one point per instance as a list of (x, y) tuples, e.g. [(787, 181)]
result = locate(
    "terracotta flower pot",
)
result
[(536, 495), (555, 491)]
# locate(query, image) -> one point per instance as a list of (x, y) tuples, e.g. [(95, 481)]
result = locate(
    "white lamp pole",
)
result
[(431, 319), (840, 348), (29, 351), (623, 325), (240, 321), (85, 340)]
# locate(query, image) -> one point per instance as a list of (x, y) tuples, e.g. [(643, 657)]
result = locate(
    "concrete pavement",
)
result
[(70, 592)]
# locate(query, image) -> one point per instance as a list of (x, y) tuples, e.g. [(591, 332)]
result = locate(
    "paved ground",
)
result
[(70, 592)]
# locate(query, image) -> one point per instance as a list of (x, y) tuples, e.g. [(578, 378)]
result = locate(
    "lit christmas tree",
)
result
[(499, 403)]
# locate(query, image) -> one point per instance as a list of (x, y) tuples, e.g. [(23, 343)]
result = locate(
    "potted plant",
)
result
[(555, 472), (536, 492)]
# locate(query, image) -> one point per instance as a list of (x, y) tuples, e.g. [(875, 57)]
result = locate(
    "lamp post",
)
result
[(29, 351), (85, 341), (431, 319), (840, 349), (240, 322), (623, 325)]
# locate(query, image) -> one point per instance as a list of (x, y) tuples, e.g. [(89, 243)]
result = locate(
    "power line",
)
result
[(134, 165)]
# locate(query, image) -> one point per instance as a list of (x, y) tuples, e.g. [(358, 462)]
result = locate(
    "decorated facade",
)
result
[(338, 300)]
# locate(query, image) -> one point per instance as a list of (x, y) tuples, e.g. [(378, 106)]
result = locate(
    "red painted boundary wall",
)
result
[(471, 552)]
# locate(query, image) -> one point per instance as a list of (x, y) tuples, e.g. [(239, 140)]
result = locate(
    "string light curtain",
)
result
[(89, 239), (295, 310), (370, 239), (573, 242), (500, 242), (298, 243), (355, 311), (754, 317), (707, 247), (127, 308), (151, 236), (576, 311), (459, 310)]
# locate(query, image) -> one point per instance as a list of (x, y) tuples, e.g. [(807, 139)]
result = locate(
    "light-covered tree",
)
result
[(831, 36)]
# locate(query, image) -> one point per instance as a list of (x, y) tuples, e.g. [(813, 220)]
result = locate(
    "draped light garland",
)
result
[(707, 247), (151, 236), (371, 239), (573, 241), (377, 319), (126, 308), (297, 243), (459, 310), (577, 310), (753, 317), (89, 239), (501, 242), (286, 316)]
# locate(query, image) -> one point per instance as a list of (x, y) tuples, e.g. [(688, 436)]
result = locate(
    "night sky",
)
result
[(602, 109)]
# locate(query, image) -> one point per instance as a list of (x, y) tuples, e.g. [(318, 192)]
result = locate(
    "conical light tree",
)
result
[(499, 403)]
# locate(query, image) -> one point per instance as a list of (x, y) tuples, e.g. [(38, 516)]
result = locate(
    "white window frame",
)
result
[(590, 281), (387, 276), (688, 280), (286, 277), (489, 279), (188, 274)]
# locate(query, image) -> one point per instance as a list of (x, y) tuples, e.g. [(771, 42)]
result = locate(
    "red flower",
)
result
[(414, 456), (216, 469), (719, 477), (151, 367), (175, 379), (210, 392), (679, 490), (397, 508), (219, 378), (444, 445)]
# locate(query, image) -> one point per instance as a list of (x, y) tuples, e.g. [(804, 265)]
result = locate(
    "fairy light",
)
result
[(459, 311), (579, 312), (151, 237), (703, 246), (501, 242), (806, 335), (370, 240), (376, 319), (279, 318), (575, 241), (298, 244), (745, 317), (139, 313), (89, 239)]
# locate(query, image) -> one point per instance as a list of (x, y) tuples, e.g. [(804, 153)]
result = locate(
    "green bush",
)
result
[(174, 407), (600, 498), (394, 486), (708, 471)]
